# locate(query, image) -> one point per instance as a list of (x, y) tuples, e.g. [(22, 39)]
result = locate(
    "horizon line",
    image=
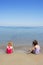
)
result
[(21, 26)]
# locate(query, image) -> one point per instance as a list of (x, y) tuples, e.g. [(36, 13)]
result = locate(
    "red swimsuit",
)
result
[(9, 49)]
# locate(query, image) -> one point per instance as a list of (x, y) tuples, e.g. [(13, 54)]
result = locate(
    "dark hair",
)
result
[(35, 42)]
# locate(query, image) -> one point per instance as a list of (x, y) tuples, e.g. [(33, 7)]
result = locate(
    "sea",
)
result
[(21, 35)]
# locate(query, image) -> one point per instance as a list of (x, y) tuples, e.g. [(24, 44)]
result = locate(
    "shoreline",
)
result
[(18, 48), (20, 57)]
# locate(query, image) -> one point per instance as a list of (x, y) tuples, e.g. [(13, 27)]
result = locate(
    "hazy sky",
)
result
[(21, 12)]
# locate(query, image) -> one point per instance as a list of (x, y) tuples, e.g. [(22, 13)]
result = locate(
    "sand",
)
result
[(21, 58)]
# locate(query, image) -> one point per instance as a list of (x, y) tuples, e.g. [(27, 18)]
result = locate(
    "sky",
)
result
[(21, 12)]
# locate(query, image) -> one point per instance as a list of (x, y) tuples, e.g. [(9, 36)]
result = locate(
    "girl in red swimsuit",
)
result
[(9, 48)]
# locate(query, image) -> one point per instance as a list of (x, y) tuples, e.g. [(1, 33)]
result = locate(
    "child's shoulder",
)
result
[(11, 47), (37, 46)]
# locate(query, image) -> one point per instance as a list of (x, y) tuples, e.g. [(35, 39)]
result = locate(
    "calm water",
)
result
[(21, 35)]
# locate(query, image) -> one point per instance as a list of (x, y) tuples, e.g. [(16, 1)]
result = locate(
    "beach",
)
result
[(22, 38), (21, 32), (20, 58)]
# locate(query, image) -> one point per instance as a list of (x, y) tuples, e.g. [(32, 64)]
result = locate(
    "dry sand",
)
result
[(20, 58)]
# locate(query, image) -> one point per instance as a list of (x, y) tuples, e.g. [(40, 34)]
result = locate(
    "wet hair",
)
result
[(35, 42)]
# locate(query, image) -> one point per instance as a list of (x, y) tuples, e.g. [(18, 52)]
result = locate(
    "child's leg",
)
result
[(33, 51)]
